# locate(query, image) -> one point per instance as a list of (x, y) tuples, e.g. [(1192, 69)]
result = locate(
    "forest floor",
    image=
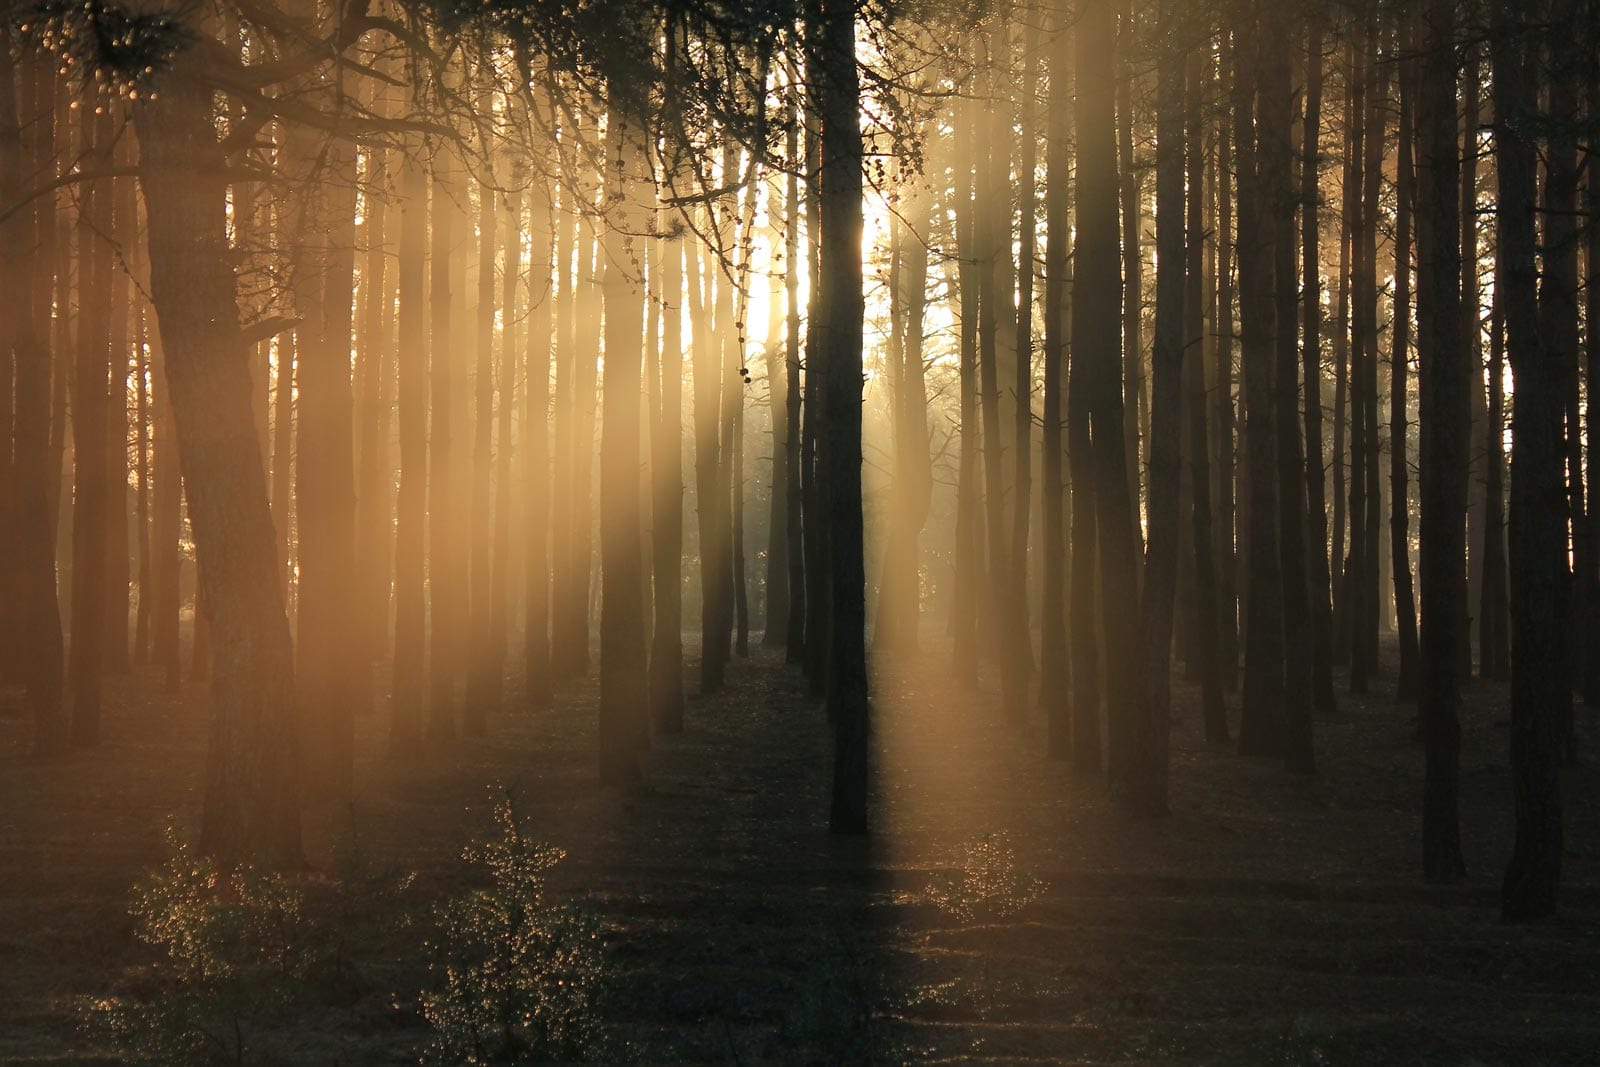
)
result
[(1269, 920)]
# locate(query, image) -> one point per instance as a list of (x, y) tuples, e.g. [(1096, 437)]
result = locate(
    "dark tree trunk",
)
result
[(252, 799), (1054, 660), (1276, 184), (1558, 321), (1445, 419), (1399, 500), (838, 103), (1261, 721), (1205, 639), (1320, 586), (1140, 783), (1096, 333), (795, 649), (1540, 689), (1222, 400)]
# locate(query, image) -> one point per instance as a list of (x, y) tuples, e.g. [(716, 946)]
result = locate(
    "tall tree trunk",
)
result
[(1276, 185), (1222, 400), (1261, 723), (122, 236), (838, 104), (666, 654), (1445, 419), (1096, 298), (1205, 639), (1054, 660), (32, 614), (93, 494), (374, 502), (1140, 783), (251, 796), (1540, 687), (545, 309), (485, 671), (325, 483), (1311, 346), (968, 547), (1399, 501), (443, 556), (411, 385), (624, 678), (1558, 320), (795, 532)]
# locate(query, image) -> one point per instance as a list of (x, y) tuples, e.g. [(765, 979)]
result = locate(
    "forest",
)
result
[(799, 531)]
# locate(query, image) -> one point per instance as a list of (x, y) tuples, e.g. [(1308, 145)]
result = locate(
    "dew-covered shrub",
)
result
[(229, 950), (516, 968)]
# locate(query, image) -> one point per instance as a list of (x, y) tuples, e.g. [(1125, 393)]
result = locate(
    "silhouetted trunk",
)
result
[(1558, 325), (1204, 632), (1589, 652), (838, 102), (1222, 398), (1097, 298), (1261, 721), (1494, 627), (1320, 584), (1275, 137), (1140, 783), (794, 651), (1540, 690), (1399, 501), (1445, 373)]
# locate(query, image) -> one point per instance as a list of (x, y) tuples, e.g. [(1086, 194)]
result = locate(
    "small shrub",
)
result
[(230, 950), (987, 883), (517, 969)]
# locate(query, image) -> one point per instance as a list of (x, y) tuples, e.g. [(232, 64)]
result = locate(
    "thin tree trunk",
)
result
[(1322, 694), (411, 372), (624, 678), (1399, 502), (1055, 665), (1445, 421)]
